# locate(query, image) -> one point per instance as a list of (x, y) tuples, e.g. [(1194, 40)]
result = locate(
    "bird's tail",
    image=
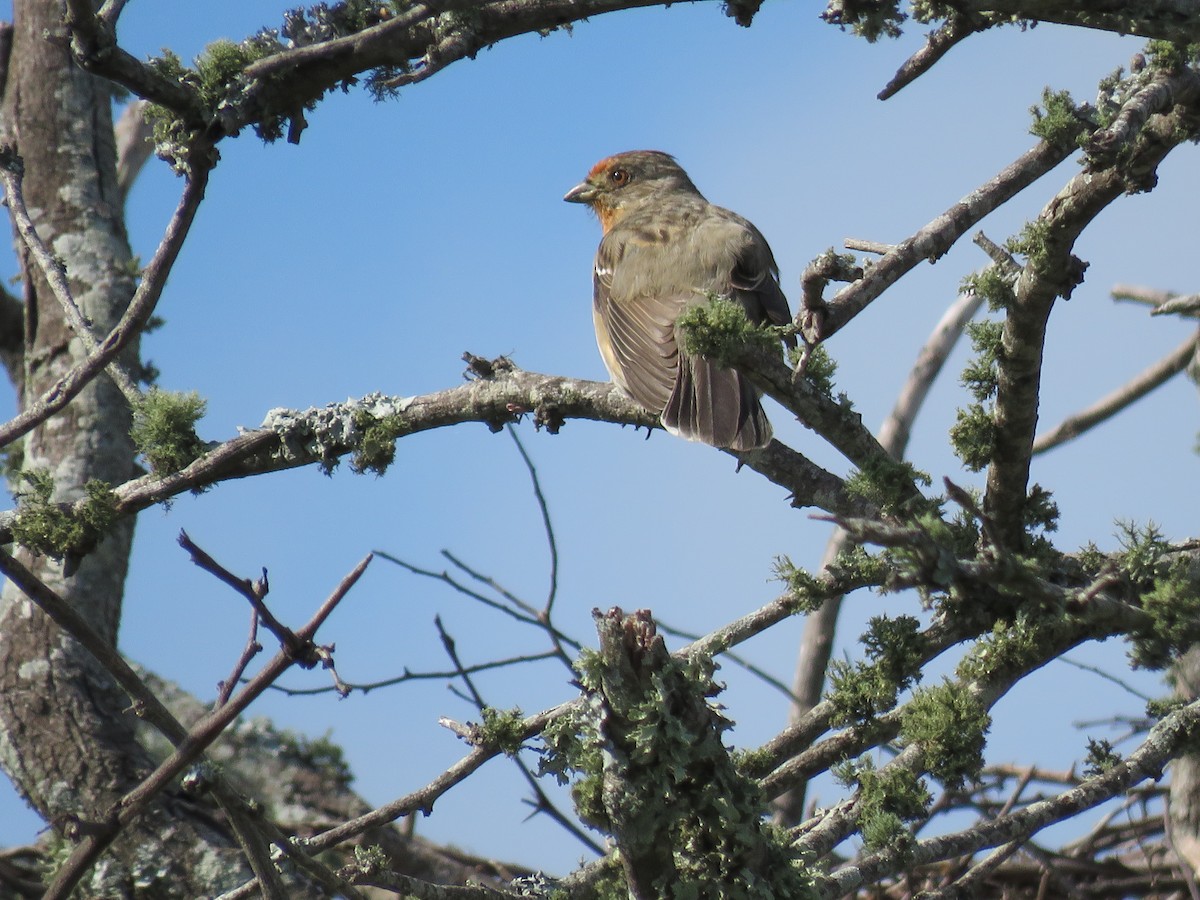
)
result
[(717, 406)]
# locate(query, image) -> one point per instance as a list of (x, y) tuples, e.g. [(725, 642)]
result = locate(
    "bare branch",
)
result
[(189, 749), (547, 526), (933, 240), (954, 30), (1126, 395), (1144, 295), (145, 298), (11, 173)]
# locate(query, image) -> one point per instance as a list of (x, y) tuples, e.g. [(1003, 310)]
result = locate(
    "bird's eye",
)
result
[(619, 177)]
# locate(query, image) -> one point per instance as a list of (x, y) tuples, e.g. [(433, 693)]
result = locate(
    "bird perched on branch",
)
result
[(666, 248)]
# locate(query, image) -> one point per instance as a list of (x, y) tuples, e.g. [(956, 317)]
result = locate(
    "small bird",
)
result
[(666, 248)]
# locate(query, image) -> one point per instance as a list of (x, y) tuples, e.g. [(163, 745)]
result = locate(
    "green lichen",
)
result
[(720, 331), (855, 565), (164, 429), (993, 285), (1171, 600), (973, 436), (820, 370), (949, 724), (57, 530), (1010, 647), (503, 729), (981, 373), (1101, 757), (807, 592), (1168, 56), (887, 798), (869, 19), (1033, 243), (1057, 120), (861, 691), (375, 450), (888, 484)]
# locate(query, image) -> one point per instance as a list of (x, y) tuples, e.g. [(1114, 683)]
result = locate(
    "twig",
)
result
[(527, 609), (1109, 405), (202, 734), (999, 255), (1138, 294), (132, 321), (1107, 676), (543, 803), (1188, 305), (934, 239), (868, 246), (547, 525), (253, 591), (252, 649), (11, 173), (367, 687), (445, 578), (955, 29)]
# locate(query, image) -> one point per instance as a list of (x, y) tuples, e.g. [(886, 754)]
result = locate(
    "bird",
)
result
[(665, 248)]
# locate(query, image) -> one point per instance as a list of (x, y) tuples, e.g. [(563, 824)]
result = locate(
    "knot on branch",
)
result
[(480, 367)]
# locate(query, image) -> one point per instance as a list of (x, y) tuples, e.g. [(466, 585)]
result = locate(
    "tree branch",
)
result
[(1147, 761), (192, 746), (53, 270), (816, 641), (1052, 271), (145, 298), (932, 241), (1126, 395), (954, 30)]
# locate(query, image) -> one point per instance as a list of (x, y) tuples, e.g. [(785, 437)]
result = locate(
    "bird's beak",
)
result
[(581, 193)]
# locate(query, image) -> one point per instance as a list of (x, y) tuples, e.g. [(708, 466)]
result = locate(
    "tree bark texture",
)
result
[(66, 735)]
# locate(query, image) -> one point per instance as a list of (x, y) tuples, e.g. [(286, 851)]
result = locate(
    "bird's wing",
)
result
[(635, 318), (745, 261)]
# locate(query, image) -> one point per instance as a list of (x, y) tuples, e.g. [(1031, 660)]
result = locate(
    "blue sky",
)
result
[(398, 235)]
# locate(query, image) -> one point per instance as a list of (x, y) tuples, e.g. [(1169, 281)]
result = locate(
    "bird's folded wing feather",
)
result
[(635, 323)]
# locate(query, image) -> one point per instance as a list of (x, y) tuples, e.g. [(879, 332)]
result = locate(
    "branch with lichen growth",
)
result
[(1050, 272), (1165, 742), (366, 431)]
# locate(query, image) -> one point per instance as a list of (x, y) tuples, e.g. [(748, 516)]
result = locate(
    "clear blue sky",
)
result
[(398, 235)]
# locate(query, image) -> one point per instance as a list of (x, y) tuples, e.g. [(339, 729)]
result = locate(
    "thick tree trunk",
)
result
[(66, 736)]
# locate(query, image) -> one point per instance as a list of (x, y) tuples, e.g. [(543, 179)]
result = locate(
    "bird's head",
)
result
[(620, 183)]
